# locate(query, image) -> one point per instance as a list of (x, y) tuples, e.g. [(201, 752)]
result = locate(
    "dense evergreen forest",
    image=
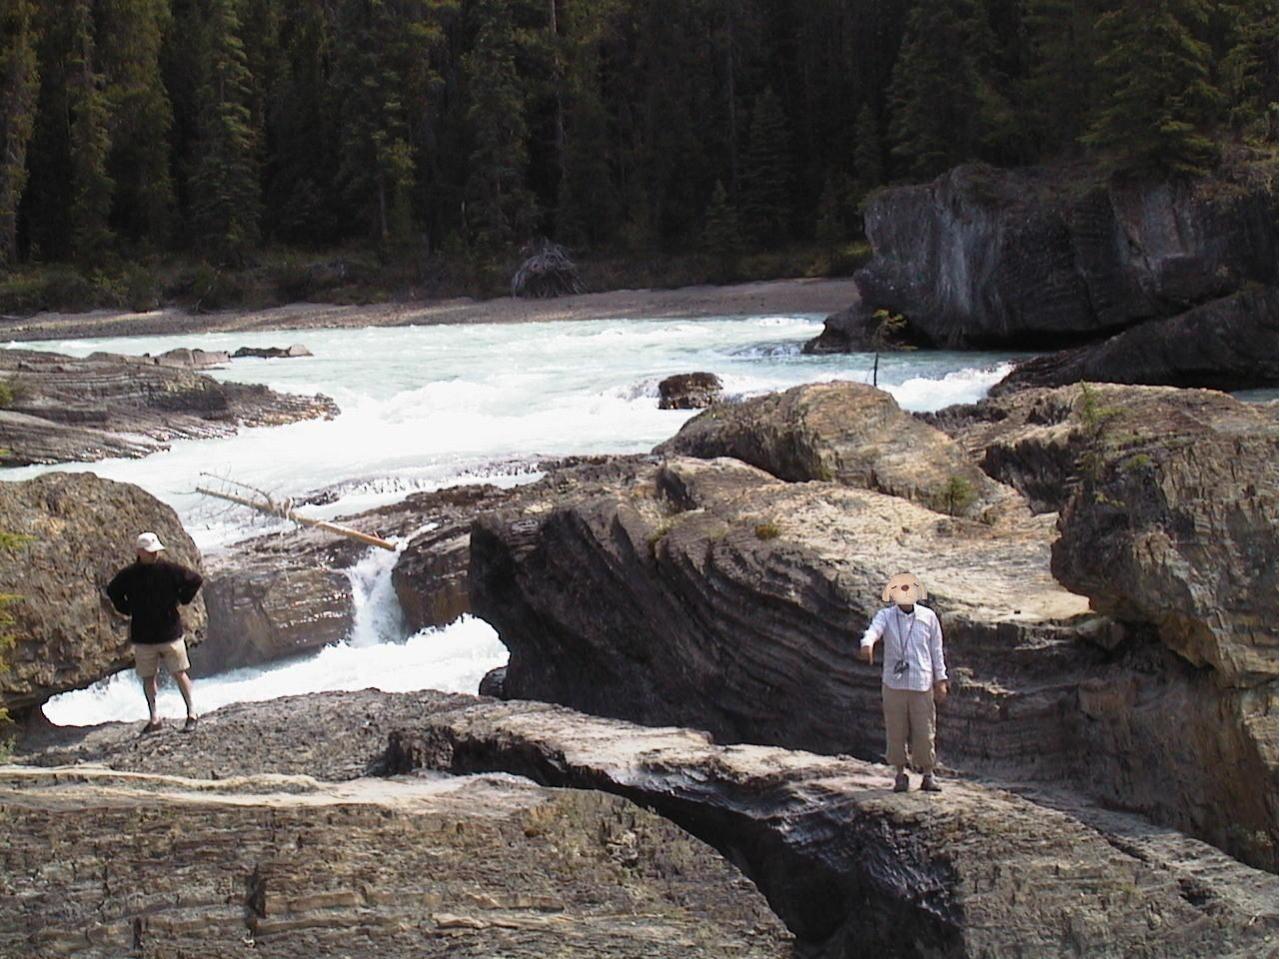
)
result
[(219, 128)]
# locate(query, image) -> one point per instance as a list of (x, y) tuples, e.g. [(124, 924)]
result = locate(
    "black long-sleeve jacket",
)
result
[(149, 593)]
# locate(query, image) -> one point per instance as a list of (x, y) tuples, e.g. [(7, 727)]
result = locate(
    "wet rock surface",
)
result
[(261, 833), (689, 391), (69, 409), (855, 869), (82, 530), (1039, 257)]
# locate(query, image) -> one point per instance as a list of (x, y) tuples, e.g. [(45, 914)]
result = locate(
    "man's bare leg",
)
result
[(184, 687), (149, 690)]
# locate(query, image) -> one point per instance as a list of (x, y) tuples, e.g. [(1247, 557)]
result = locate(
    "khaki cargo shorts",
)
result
[(147, 657)]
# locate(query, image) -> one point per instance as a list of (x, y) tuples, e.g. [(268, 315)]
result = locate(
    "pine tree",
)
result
[(141, 116), (868, 155), (829, 231), (225, 191), (91, 186), (722, 236), (766, 193), (1249, 73), (19, 84), (1158, 103), (1061, 80), (500, 208), (934, 103)]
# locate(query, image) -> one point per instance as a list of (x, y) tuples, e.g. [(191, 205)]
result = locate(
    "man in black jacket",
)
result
[(149, 591)]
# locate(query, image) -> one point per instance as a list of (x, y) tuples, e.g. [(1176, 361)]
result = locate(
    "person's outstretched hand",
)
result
[(940, 690)]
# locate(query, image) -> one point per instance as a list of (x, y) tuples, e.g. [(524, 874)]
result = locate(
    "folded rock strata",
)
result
[(855, 869), (81, 528), (712, 595), (68, 409), (260, 833)]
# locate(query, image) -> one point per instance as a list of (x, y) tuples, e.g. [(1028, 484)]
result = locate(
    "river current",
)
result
[(427, 407)]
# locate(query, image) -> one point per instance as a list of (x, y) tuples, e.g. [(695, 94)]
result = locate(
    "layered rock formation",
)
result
[(849, 433), (713, 595), (1049, 258), (1224, 345), (262, 833), (81, 529), (72, 410), (855, 869)]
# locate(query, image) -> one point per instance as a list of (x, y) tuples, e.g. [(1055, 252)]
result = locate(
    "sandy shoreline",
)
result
[(745, 299)]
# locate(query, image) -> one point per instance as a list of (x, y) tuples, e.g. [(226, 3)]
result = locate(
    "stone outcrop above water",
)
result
[(689, 391), (67, 409), (264, 833), (1040, 257), (849, 433), (82, 529), (710, 594), (1225, 345), (855, 869)]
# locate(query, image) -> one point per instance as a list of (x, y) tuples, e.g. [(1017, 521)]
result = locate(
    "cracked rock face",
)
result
[(262, 833), (82, 529)]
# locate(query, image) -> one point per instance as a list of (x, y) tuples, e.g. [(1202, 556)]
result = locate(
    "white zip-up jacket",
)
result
[(913, 639)]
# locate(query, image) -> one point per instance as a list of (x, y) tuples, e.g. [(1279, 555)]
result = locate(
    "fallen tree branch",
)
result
[(284, 511)]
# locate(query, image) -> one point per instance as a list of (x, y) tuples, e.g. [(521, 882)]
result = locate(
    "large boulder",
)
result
[(855, 870), (1047, 257), (849, 433), (1221, 345), (689, 391), (81, 528)]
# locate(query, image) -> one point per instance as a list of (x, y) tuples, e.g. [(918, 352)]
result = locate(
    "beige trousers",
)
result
[(909, 715)]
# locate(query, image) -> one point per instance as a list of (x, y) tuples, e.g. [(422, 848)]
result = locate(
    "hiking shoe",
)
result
[(152, 727), (901, 783), (930, 785), (190, 724)]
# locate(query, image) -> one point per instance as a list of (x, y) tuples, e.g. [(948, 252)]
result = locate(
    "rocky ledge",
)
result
[(373, 824), (67, 409), (263, 832), (713, 594)]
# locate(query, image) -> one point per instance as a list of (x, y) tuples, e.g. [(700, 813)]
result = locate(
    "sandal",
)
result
[(152, 727), (190, 724)]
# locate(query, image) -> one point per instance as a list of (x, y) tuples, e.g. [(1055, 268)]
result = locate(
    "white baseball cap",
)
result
[(150, 542)]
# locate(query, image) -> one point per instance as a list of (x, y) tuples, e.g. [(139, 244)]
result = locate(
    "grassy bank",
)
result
[(357, 276)]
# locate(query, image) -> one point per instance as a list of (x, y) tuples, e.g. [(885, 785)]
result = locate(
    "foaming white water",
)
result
[(453, 659), (428, 407)]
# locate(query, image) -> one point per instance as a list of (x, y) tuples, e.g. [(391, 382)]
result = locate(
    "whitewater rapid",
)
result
[(427, 407)]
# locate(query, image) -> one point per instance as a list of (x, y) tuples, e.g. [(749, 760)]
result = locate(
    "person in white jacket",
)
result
[(914, 677)]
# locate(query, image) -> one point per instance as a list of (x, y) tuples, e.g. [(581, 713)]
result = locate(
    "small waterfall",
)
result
[(377, 617)]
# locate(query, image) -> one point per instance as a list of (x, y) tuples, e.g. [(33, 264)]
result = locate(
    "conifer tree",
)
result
[(829, 231), (766, 177), (722, 236), (933, 96), (1061, 78), (91, 186), (141, 115), (868, 162), (1249, 73), (19, 83), (1157, 102), (500, 208), (225, 191)]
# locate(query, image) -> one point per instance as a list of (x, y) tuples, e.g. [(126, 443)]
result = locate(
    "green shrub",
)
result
[(216, 289), (958, 495), (768, 530), (139, 288)]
